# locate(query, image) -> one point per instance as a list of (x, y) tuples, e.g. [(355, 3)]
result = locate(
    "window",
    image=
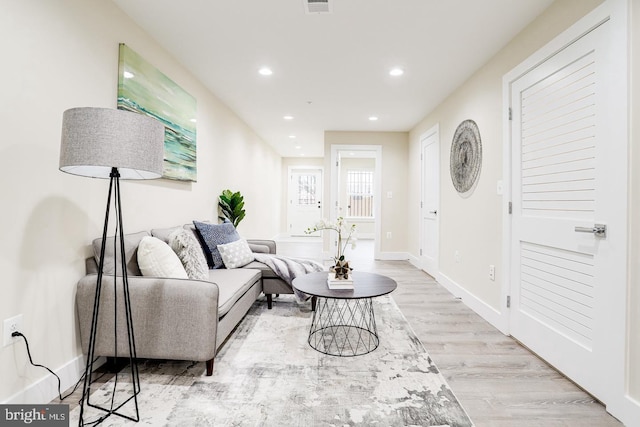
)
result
[(307, 190), (360, 193)]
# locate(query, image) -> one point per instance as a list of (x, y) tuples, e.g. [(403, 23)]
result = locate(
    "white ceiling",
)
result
[(331, 71)]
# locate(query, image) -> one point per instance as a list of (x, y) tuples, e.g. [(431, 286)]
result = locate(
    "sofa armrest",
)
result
[(270, 244), (172, 318)]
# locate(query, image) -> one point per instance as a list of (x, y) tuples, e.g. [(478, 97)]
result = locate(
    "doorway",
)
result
[(430, 201), (304, 209), (364, 159)]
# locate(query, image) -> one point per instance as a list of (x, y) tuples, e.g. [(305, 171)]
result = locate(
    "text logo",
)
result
[(34, 415)]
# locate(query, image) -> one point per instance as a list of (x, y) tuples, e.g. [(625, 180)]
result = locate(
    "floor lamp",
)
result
[(113, 144)]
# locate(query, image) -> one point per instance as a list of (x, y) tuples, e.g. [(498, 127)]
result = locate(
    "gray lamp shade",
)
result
[(95, 140)]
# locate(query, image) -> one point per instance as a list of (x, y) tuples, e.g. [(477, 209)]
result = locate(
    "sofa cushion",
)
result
[(236, 254), (232, 284), (131, 242), (186, 246), (157, 259), (267, 272), (213, 235)]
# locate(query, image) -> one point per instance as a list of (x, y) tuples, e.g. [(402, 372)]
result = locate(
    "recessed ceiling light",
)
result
[(395, 72), (193, 120), (265, 71), (128, 75), (373, 118), (292, 136), (287, 117)]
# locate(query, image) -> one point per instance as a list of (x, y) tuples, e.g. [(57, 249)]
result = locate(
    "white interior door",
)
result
[(568, 174), (430, 146), (305, 200)]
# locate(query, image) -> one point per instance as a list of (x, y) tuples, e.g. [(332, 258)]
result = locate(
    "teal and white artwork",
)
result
[(142, 88)]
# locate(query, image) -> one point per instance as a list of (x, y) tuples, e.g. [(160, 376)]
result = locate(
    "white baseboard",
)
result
[(413, 260), (487, 312), (45, 390), (627, 411), (393, 256), (366, 236), (418, 263)]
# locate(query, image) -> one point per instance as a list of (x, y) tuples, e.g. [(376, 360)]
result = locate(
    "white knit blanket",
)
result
[(289, 268)]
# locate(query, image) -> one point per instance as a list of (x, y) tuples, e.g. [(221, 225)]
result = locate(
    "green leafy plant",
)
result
[(231, 206)]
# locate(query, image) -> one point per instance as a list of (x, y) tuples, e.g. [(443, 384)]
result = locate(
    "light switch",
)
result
[(389, 195)]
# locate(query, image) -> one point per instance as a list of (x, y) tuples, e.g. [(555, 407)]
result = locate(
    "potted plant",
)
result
[(231, 206), (341, 265)]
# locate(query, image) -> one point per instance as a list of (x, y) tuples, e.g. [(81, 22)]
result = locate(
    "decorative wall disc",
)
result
[(466, 156)]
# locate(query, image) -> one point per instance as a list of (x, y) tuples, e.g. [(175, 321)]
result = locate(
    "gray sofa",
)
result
[(180, 319)]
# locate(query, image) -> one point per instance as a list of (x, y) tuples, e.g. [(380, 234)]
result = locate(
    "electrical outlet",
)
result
[(10, 326), (492, 272)]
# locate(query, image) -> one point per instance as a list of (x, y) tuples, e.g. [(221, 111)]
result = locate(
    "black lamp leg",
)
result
[(114, 188)]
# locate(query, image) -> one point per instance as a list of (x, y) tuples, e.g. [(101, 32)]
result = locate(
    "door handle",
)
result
[(433, 212), (600, 230)]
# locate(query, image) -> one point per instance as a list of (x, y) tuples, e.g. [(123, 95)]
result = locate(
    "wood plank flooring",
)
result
[(498, 381)]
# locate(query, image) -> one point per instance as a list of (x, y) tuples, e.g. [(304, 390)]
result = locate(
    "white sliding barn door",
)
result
[(568, 174)]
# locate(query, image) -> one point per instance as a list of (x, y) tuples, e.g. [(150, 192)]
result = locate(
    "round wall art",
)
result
[(466, 156)]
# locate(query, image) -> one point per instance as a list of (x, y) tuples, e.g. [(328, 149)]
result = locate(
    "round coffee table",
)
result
[(343, 322)]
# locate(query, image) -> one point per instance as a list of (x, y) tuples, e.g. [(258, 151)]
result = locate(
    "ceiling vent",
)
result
[(317, 6)]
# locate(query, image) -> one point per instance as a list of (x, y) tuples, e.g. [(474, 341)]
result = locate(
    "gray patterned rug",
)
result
[(267, 375)]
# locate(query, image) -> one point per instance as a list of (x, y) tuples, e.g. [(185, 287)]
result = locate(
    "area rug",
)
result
[(266, 374)]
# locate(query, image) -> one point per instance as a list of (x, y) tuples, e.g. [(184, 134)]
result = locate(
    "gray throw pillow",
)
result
[(184, 244), (213, 235)]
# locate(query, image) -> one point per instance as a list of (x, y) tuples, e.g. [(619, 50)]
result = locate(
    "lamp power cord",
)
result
[(26, 343)]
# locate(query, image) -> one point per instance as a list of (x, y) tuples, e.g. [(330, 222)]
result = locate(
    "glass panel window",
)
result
[(360, 193), (307, 190)]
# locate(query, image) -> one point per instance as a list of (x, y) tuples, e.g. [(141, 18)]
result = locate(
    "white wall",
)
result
[(63, 54), (473, 226)]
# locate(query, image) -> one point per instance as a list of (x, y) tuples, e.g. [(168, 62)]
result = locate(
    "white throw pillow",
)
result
[(186, 246), (236, 254), (157, 259)]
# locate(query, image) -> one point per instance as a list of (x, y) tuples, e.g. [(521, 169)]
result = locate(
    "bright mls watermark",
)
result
[(34, 415)]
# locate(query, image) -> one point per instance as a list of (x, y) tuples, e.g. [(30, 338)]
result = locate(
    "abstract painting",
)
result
[(144, 89)]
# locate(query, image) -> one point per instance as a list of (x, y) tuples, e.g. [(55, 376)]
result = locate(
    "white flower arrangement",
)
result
[(341, 227)]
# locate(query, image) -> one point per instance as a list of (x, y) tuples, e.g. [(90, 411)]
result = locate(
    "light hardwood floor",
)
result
[(498, 381)]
